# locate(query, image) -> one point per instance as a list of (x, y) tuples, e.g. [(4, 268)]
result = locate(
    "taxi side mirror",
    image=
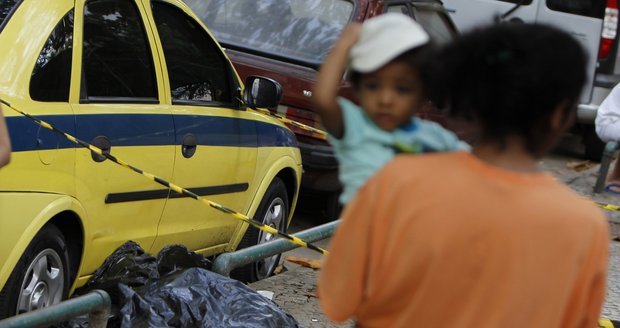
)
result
[(262, 92)]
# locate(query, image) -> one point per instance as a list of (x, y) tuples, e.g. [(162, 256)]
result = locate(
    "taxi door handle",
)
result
[(189, 145), (103, 143)]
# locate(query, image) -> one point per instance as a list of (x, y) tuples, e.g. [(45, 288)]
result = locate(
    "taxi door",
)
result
[(117, 108), (216, 143)]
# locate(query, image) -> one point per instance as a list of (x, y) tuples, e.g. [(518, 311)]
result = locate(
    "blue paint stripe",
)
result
[(127, 129), (27, 135), (217, 131), (270, 135), (147, 130)]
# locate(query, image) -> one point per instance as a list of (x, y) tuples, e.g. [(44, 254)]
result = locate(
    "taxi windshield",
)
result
[(300, 30)]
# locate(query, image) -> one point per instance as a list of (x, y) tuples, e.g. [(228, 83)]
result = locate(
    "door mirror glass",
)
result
[(262, 92)]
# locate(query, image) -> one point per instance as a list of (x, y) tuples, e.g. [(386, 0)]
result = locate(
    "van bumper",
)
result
[(586, 113), (603, 83)]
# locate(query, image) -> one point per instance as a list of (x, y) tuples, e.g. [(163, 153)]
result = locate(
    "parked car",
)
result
[(593, 22), (288, 40), (145, 80)]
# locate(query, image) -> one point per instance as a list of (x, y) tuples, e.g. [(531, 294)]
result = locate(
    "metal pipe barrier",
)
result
[(608, 156), (226, 262), (96, 303)]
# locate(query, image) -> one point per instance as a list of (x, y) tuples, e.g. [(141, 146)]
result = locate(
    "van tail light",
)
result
[(610, 29)]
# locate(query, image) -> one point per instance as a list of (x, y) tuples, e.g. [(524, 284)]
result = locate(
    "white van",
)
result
[(593, 22)]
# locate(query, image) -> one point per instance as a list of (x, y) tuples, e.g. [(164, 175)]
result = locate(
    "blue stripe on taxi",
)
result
[(131, 130)]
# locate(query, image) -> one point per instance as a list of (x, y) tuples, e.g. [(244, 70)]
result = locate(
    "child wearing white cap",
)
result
[(382, 55)]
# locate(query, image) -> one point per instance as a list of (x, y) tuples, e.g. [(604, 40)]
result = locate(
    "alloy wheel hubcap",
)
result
[(43, 284), (275, 217)]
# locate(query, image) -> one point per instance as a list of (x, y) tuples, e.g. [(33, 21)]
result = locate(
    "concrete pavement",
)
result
[(583, 182), (295, 290)]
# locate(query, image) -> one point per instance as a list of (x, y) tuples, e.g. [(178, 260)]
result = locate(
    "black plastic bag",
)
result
[(175, 289), (199, 298)]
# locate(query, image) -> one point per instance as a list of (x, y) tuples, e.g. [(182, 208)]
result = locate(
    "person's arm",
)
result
[(328, 80), (607, 122), (5, 142)]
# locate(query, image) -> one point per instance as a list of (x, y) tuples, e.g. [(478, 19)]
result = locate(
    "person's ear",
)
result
[(563, 116)]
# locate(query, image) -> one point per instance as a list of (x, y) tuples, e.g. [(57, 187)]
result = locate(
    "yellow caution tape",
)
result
[(608, 207), (178, 189), (320, 132), (606, 323)]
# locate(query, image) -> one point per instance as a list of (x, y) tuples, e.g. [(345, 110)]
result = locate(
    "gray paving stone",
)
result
[(611, 308), (295, 290)]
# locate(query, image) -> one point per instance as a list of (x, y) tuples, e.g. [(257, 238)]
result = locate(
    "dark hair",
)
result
[(414, 57), (508, 78)]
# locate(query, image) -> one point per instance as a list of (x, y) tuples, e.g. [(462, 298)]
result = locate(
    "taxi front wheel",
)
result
[(272, 211), (41, 276)]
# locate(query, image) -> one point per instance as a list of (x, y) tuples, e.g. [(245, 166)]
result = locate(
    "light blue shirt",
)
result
[(365, 148)]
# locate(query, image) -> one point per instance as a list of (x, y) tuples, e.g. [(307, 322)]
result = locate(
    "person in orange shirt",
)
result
[(481, 239), (5, 142)]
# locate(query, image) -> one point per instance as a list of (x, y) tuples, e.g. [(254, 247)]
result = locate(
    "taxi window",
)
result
[(590, 8), (197, 68), (7, 8), (51, 77), (117, 61)]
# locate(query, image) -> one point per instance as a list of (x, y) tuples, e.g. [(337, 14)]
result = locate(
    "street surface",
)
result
[(562, 163)]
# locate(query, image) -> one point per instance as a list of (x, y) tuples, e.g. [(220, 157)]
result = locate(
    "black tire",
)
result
[(594, 146), (41, 276), (333, 208), (273, 210)]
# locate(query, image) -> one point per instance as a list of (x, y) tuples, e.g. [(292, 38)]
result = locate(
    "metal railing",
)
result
[(96, 303), (608, 156), (226, 262)]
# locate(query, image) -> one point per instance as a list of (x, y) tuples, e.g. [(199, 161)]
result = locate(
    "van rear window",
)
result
[(7, 7), (590, 8)]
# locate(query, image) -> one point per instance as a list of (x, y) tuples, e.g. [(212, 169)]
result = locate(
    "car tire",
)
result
[(594, 146), (41, 276), (333, 208), (273, 211)]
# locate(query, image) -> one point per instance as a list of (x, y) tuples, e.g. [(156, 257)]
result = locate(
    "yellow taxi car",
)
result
[(144, 80)]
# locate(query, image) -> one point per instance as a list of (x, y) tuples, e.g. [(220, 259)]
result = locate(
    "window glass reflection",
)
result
[(298, 29)]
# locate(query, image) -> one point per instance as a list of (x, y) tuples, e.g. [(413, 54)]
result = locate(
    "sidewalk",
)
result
[(295, 290), (583, 183)]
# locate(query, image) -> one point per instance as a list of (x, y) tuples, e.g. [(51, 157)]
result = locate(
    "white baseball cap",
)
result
[(383, 38)]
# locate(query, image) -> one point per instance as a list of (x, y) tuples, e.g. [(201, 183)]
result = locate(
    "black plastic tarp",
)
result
[(176, 289)]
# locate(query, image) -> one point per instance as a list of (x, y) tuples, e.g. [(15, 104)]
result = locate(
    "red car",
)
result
[(287, 40)]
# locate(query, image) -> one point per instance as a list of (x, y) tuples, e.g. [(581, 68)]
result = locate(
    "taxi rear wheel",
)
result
[(272, 211), (41, 276)]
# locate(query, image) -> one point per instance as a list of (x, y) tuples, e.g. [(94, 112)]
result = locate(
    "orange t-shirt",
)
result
[(448, 240)]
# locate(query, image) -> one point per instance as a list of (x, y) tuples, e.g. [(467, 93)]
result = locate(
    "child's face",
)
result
[(391, 94)]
